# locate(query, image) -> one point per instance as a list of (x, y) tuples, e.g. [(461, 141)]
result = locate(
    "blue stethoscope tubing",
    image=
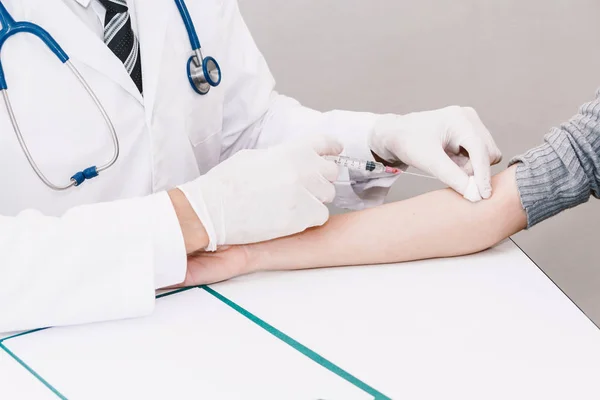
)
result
[(203, 73)]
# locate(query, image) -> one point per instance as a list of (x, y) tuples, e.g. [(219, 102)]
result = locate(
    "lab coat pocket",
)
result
[(204, 118), (203, 123), (208, 152)]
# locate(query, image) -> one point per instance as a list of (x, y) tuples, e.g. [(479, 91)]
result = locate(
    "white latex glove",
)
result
[(436, 141), (259, 195)]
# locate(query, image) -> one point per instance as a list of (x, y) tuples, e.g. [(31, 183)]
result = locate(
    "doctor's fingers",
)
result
[(309, 209), (467, 167), (320, 187), (480, 163), (311, 162), (481, 131), (325, 145), (328, 169), (447, 171), (462, 160)]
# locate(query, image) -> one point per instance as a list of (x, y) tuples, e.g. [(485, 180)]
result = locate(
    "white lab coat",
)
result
[(73, 260)]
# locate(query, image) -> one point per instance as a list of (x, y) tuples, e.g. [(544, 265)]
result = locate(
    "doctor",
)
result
[(170, 177)]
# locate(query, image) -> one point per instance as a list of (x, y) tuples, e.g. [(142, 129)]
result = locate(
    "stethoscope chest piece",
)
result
[(203, 72)]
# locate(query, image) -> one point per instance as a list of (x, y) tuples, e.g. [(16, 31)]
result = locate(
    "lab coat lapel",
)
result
[(152, 20), (79, 41)]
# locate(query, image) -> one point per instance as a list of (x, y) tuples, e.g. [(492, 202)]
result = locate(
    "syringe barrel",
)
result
[(357, 165)]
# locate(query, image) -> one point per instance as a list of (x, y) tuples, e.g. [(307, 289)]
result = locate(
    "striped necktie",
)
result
[(121, 40)]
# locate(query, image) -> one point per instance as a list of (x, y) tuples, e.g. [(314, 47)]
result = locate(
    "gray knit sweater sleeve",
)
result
[(564, 171)]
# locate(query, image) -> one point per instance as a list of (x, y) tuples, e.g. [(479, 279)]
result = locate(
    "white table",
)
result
[(17, 383), (487, 326)]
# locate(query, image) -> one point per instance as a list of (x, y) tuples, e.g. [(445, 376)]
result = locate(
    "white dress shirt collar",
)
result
[(84, 3), (86, 9)]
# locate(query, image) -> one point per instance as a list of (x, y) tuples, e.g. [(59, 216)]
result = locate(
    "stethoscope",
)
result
[(202, 72)]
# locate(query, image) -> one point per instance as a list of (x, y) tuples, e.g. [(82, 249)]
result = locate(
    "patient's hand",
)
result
[(228, 262)]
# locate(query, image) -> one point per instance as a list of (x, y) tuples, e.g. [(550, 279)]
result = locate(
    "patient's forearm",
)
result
[(436, 224)]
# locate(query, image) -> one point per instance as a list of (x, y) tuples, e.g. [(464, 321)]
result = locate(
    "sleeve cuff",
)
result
[(545, 182), (170, 258)]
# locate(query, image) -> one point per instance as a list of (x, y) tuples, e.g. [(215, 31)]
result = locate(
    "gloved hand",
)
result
[(259, 195), (436, 141)]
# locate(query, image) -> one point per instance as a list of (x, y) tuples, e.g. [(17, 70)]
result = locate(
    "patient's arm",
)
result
[(559, 174), (436, 224)]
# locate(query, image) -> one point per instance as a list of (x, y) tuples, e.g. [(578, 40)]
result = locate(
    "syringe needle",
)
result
[(422, 176)]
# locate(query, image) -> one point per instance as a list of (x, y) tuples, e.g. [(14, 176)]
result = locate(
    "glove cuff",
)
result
[(195, 196)]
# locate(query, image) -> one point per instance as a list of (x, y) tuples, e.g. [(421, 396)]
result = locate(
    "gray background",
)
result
[(525, 65)]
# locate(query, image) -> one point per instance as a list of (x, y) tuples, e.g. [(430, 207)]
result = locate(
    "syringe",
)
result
[(362, 165), (369, 166)]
